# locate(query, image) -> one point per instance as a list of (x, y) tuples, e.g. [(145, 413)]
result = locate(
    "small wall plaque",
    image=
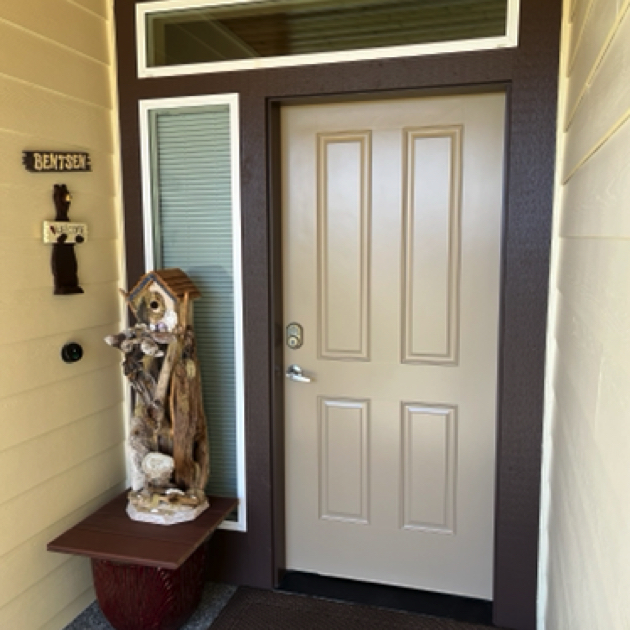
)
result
[(56, 162), (68, 233)]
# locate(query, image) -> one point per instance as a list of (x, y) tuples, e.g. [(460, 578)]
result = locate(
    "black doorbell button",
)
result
[(71, 352)]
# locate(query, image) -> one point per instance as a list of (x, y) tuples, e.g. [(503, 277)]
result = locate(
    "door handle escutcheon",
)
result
[(295, 373)]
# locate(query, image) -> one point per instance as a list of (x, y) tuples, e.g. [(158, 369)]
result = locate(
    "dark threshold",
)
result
[(463, 609)]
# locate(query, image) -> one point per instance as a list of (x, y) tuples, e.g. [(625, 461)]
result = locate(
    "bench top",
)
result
[(109, 534)]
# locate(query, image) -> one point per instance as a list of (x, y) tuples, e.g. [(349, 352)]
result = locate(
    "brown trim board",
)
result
[(530, 74)]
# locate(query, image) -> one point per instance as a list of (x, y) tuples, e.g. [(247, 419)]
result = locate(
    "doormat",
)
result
[(428, 603), (253, 609)]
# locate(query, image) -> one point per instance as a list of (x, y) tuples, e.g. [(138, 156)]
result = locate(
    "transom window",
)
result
[(184, 36)]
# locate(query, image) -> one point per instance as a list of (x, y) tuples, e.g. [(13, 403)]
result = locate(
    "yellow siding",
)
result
[(586, 547), (88, 81), (96, 6), (579, 11), (63, 23), (604, 105), (589, 47), (71, 611), (62, 447)]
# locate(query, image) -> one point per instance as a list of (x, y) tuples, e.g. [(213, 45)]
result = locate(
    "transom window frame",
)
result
[(149, 214), (143, 10)]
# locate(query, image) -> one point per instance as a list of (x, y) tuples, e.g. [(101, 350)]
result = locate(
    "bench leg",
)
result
[(134, 597)]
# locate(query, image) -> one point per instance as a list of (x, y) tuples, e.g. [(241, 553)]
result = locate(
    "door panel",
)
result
[(343, 465), (428, 464), (391, 229), (431, 217), (344, 241)]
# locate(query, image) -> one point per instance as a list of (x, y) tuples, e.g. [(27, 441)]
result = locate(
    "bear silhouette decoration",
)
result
[(64, 260)]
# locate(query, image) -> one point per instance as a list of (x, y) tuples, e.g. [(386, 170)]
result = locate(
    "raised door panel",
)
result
[(429, 455), (343, 186), (343, 459), (432, 183)]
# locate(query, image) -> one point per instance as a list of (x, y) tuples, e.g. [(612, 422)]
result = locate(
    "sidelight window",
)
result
[(192, 221)]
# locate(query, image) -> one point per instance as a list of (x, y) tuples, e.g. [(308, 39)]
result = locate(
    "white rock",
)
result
[(159, 516)]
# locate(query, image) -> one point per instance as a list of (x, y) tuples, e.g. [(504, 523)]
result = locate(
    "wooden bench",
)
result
[(146, 576)]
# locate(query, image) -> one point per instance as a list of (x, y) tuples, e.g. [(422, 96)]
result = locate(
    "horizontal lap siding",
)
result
[(62, 23), (16, 566), (600, 211), (579, 12), (62, 448), (603, 107), (589, 516), (589, 49), (99, 7), (88, 81)]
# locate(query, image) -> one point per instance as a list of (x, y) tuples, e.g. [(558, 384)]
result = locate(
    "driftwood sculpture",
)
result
[(168, 439)]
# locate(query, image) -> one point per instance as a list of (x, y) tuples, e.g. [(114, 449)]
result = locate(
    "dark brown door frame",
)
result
[(530, 72)]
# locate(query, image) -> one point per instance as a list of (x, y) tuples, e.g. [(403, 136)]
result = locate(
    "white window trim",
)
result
[(145, 107), (509, 40)]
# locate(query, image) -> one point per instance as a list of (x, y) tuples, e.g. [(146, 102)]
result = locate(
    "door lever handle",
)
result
[(294, 372)]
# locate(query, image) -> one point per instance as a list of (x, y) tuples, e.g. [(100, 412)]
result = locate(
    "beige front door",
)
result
[(391, 228)]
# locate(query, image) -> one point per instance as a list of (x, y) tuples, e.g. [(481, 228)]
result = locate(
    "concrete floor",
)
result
[(214, 598)]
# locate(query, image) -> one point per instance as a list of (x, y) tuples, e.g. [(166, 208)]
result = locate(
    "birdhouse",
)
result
[(159, 298), (168, 441)]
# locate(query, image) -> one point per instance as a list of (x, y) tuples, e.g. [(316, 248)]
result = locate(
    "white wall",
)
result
[(588, 445), (61, 426)]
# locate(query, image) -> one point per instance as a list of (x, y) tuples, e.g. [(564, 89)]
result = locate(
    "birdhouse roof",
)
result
[(174, 281)]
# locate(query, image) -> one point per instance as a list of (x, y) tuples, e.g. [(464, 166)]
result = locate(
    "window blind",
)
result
[(193, 230)]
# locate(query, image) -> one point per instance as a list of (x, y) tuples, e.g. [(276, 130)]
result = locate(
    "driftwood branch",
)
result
[(165, 373)]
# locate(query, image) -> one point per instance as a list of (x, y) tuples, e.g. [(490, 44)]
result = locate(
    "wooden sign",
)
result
[(61, 232), (56, 162)]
